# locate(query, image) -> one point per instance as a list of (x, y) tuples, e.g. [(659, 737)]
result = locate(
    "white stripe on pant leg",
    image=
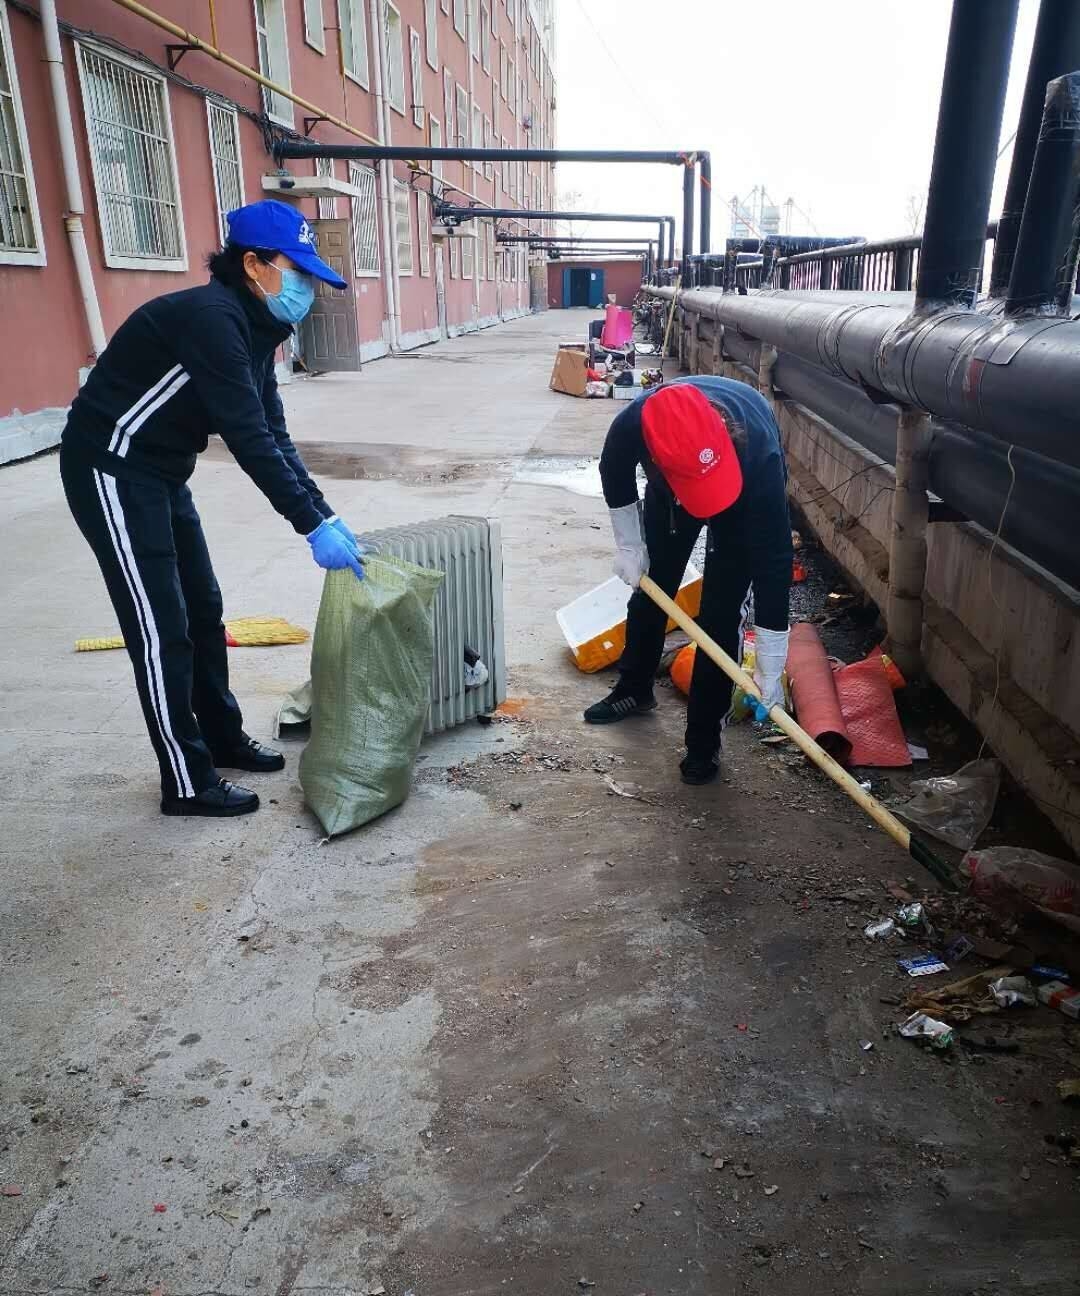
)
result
[(114, 520), (140, 419), (147, 395)]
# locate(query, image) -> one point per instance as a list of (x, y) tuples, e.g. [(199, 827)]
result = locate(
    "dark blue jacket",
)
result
[(179, 368), (758, 524)]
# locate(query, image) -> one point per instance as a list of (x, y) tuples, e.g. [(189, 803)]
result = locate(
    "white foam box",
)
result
[(594, 624)]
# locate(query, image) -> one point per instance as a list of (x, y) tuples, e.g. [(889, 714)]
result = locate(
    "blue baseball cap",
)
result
[(273, 224)]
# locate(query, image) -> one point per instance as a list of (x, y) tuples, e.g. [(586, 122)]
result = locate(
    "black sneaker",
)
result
[(698, 770), (618, 705), (249, 754), (222, 801)]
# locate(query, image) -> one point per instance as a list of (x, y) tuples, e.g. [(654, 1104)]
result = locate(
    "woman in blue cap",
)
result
[(180, 367)]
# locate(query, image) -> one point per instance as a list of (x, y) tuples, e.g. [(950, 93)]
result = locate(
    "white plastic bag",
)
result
[(956, 807)]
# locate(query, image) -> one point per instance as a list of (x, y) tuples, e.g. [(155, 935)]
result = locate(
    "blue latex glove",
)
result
[(760, 711), (332, 551), (339, 524)]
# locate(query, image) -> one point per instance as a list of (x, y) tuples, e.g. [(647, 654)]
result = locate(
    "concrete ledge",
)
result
[(23, 435)]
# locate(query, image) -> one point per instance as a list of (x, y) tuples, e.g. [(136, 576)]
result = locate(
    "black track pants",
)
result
[(670, 534), (150, 546)]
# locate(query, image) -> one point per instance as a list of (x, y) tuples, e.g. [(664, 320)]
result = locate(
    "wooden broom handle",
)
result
[(821, 758)]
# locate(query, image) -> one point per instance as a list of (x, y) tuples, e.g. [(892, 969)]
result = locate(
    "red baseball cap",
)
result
[(689, 442)]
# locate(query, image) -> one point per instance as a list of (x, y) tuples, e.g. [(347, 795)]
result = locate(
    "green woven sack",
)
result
[(370, 690)]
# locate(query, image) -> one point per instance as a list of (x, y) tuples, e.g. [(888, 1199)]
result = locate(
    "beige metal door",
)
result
[(329, 333)]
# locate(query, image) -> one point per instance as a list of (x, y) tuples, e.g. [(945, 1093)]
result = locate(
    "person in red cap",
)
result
[(711, 452)]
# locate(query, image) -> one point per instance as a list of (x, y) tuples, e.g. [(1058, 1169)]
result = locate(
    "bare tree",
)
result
[(915, 211)]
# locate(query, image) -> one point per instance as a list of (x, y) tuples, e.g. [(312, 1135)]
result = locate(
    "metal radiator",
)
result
[(468, 609)]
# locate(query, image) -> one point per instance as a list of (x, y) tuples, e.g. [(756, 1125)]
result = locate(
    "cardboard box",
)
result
[(568, 374)]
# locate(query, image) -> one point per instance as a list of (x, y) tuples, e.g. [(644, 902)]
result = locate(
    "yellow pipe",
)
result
[(189, 38)]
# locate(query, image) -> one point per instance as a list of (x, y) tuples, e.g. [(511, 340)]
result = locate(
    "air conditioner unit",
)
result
[(453, 231), (467, 617)]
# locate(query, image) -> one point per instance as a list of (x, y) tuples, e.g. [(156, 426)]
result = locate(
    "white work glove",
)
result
[(770, 657), (631, 553)]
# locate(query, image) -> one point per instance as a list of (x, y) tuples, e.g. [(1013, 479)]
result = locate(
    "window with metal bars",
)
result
[(431, 34), (481, 241), (365, 220), (468, 258), (403, 227), (224, 130), (395, 58), (455, 257), (20, 226), (416, 68), (327, 206), (354, 44), (462, 120), (313, 25), (272, 40), (491, 252), (133, 162), (423, 229)]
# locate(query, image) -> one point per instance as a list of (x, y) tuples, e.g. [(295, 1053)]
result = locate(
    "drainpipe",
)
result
[(73, 191), (965, 152), (687, 220), (391, 273), (1044, 269), (1055, 51), (470, 22)]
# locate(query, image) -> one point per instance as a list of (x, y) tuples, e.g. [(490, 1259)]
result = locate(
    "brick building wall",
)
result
[(163, 154)]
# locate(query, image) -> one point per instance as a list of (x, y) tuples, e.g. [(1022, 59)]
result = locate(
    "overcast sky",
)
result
[(832, 103)]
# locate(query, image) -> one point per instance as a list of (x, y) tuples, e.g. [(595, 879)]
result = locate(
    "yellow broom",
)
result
[(244, 632)]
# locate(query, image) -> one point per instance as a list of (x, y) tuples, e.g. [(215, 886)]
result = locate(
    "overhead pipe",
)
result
[(1015, 379), (1054, 52), (965, 152), (1044, 268), (74, 203), (288, 149)]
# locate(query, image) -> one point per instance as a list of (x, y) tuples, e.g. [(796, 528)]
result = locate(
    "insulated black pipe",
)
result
[(308, 148), (965, 151), (1055, 51), (565, 238), (705, 172), (687, 221), (528, 213), (1044, 269), (1014, 379)]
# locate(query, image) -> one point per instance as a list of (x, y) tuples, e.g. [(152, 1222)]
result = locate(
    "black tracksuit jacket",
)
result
[(181, 367)]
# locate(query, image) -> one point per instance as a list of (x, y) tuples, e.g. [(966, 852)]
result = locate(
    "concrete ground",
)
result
[(593, 1045)]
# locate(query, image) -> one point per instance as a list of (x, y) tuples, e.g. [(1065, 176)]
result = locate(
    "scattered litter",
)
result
[(1056, 994), (880, 929), (1012, 990), (866, 1045), (924, 965), (10, 1190), (921, 1027), (631, 791), (1025, 1172), (918, 753), (772, 1188), (160, 1208), (1028, 879), (637, 1206), (719, 1163), (1068, 1090), (516, 805), (1044, 972), (585, 1282), (910, 915), (956, 807), (380, 1290), (958, 948)]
